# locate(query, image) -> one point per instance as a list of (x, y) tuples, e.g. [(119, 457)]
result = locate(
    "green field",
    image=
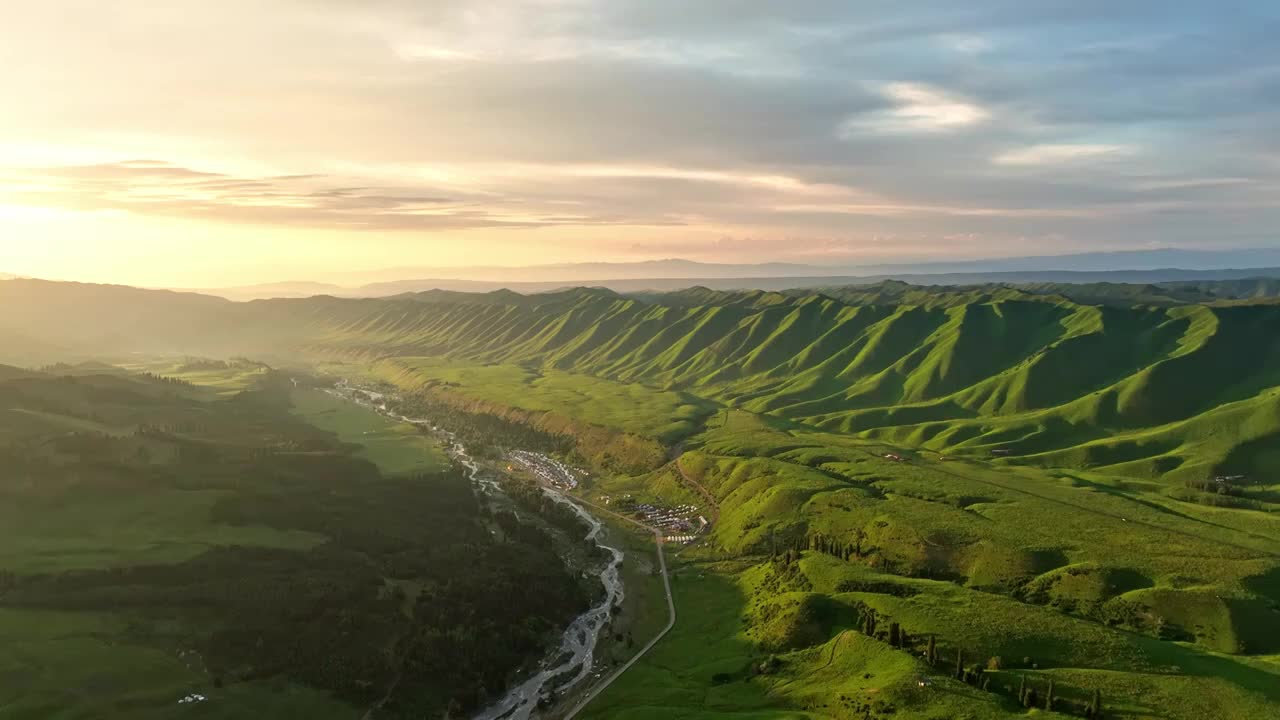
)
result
[(1081, 577), (1089, 547), (78, 666), (665, 415), (395, 447), (113, 529)]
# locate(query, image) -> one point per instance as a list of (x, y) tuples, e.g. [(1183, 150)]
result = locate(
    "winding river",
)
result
[(572, 661)]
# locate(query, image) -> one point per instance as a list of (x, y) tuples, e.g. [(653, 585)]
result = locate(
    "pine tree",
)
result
[(959, 664), (1022, 690), (1048, 697)]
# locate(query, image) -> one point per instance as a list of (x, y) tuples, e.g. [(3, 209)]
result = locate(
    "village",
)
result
[(547, 469), (679, 524)]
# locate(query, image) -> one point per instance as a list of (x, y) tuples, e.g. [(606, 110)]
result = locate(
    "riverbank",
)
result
[(645, 618), (570, 665)]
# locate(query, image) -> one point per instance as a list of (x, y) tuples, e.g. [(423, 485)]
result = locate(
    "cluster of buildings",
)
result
[(546, 469), (192, 699), (679, 524)]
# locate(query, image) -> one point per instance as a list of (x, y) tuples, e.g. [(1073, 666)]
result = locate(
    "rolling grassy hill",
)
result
[(847, 445), (1180, 392)]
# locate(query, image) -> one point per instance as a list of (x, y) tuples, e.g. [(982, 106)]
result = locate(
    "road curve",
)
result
[(671, 622)]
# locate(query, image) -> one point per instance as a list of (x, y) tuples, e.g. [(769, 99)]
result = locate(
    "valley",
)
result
[(917, 510), (640, 360)]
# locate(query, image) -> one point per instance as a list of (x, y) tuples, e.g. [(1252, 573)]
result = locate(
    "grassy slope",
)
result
[(1027, 562), (989, 536), (1148, 391), (1119, 400)]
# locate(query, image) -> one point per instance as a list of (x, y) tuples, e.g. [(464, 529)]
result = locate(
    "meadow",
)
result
[(1168, 611), (1096, 581), (661, 414), (395, 447)]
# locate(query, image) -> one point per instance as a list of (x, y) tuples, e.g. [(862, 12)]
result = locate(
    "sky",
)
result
[(205, 144)]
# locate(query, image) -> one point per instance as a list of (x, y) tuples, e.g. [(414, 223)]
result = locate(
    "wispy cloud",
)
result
[(158, 188), (917, 108), (1090, 125), (1061, 154)]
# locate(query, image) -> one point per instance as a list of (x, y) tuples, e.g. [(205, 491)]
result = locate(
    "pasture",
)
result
[(395, 447)]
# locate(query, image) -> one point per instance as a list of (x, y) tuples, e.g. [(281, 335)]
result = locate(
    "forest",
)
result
[(401, 597)]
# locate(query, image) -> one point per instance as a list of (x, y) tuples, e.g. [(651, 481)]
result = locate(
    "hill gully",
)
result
[(572, 662)]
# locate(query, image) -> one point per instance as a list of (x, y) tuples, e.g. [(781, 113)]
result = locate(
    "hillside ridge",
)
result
[(1179, 390)]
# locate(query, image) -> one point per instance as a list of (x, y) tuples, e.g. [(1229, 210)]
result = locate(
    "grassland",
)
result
[(1176, 394), (849, 442), (82, 666), (96, 530), (1173, 391), (664, 415), (1163, 606), (395, 447), (1081, 550)]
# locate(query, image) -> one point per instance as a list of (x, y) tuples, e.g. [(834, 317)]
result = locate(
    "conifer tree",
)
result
[(959, 664), (1048, 697)]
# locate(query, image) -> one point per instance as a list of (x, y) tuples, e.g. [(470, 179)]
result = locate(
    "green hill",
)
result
[(1158, 390), (1182, 391), (1027, 479)]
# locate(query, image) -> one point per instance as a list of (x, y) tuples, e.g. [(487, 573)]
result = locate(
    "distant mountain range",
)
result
[(1142, 266), (566, 273), (667, 284)]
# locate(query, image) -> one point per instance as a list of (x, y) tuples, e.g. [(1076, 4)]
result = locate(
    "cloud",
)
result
[(967, 44), (1060, 154), (162, 189), (1092, 122), (917, 108)]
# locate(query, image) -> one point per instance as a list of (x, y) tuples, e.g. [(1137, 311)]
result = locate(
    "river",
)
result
[(572, 661)]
